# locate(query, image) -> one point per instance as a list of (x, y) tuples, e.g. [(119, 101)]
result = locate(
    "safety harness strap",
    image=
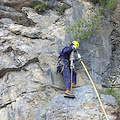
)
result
[(59, 59), (63, 65)]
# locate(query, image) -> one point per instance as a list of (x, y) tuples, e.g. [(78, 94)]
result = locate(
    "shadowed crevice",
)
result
[(6, 70)]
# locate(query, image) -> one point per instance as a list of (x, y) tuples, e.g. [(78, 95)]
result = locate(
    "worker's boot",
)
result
[(68, 94), (74, 85)]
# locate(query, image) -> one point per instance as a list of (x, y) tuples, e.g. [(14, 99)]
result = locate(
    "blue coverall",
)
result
[(65, 56)]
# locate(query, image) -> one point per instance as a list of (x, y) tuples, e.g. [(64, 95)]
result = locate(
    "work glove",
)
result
[(79, 56), (74, 47)]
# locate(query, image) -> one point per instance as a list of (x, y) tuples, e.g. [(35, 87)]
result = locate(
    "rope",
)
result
[(95, 89)]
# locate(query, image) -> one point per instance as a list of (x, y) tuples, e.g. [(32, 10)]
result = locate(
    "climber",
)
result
[(63, 67)]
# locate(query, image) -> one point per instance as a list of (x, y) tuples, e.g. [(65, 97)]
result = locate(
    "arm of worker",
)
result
[(79, 56), (69, 49)]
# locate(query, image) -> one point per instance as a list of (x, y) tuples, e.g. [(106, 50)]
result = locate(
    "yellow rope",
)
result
[(95, 90)]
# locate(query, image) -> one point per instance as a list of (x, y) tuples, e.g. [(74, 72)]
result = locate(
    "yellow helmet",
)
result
[(75, 43)]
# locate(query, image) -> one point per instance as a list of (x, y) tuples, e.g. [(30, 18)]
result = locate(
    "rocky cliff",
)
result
[(30, 42)]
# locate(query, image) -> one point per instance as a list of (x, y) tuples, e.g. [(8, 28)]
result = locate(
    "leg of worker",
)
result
[(74, 79), (67, 78)]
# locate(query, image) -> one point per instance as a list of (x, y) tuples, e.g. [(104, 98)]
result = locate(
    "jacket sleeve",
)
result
[(67, 49)]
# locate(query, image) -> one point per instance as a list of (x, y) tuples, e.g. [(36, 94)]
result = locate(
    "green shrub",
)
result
[(102, 3), (111, 91), (61, 9), (85, 26), (111, 4), (40, 8)]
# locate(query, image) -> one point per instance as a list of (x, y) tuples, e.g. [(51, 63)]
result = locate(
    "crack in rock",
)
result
[(32, 33), (7, 104), (6, 70)]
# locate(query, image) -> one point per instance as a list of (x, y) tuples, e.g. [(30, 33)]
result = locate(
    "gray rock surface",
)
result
[(84, 107), (28, 60)]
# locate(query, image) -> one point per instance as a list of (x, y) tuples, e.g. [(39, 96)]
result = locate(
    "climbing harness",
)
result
[(93, 85), (61, 65), (63, 60)]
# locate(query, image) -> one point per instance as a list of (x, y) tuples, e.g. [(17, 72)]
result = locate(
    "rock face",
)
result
[(84, 107), (29, 46)]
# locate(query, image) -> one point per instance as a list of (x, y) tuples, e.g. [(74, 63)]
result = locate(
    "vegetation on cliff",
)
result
[(88, 25)]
